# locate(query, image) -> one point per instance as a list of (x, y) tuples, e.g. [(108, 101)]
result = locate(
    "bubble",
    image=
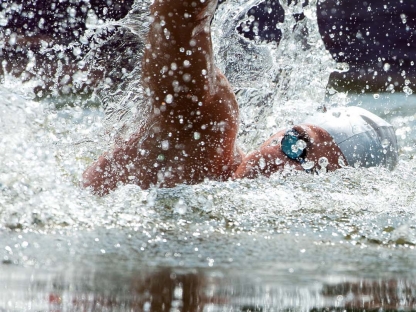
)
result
[(376, 96), (197, 135), (386, 67)]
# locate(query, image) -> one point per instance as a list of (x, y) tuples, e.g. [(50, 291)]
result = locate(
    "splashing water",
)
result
[(277, 85), (293, 228)]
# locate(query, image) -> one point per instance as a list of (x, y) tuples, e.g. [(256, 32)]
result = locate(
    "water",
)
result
[(342, 240)]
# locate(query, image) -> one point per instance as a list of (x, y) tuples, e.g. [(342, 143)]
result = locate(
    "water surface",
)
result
[(296, 241)]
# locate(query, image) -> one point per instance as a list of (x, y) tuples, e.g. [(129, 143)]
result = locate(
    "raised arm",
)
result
[(191, 131)]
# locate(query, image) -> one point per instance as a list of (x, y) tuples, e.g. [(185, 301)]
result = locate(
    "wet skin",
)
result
[(190, 134), (269, 158)]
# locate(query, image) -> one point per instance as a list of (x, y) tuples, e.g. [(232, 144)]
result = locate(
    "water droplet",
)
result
[(386, 67), (336, 114), (355, 130), (262, 163), (323, 162), (407, 90), (76, 51), (197, 135), (342, 67), (376, 96), (165, 145), (385, 143), (186, 77), (169, 98), (278, 161), (341, 162), (308, 165), (180, 207), (301, 145)]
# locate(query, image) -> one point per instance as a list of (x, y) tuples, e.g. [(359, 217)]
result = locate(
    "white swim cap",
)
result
[(365, 139)]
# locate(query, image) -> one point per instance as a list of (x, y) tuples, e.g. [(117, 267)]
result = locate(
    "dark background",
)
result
[(376, 39)]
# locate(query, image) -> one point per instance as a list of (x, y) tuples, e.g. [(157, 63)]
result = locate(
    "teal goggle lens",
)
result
[(290, 146)]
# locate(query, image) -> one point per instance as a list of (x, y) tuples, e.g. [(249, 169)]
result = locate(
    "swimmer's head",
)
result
[(365, 139), (326, 142)]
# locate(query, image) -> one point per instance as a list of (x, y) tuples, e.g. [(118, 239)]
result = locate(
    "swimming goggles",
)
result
[(292, 146)]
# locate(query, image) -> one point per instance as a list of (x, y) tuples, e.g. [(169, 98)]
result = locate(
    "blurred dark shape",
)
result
[(375, 37), (262, 26), (43, 40), (61, 20)]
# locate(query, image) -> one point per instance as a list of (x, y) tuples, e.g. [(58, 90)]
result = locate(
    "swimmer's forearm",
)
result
[(178, 62)]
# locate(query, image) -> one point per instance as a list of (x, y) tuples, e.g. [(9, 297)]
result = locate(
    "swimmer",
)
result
[(190, 134)]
